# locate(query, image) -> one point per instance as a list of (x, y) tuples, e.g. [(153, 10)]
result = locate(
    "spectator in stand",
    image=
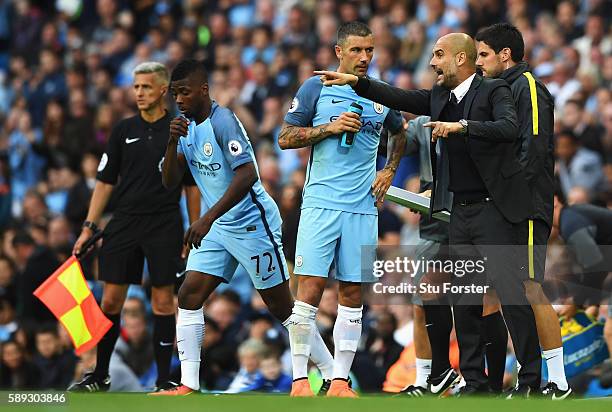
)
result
[(8, 323), (577, 166), (589, 135), (56, 365), (250, 354), (34, 264), (16, 372)]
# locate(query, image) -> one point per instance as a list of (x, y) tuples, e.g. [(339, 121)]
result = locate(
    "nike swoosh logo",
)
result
[(128, 141), (189, 145), (336, 101), (428, 325), (565, 395), (165, 343), (436, 388), (263, 279)]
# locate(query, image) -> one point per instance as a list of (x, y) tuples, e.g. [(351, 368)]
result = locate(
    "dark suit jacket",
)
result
[(492, 130)]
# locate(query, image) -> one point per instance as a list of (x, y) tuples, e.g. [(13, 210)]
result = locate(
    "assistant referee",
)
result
[(146, 223)]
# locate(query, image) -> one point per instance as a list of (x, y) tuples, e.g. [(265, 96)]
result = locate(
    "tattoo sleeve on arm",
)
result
[(395, 149), (293, 137)]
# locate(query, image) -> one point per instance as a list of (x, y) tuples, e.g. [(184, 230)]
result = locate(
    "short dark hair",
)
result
[(230, 296), (353, 28), (502, 35), (47, 328), (568, 133), (22, 238), (576, 102), (187, 67)]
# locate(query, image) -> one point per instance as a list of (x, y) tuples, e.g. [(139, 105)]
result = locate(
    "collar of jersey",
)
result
[(160, 124)]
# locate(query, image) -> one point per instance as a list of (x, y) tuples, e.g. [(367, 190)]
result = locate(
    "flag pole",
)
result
[(89, 244)]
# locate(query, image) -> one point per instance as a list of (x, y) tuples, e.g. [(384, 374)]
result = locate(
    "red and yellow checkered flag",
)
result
[(68, 297)]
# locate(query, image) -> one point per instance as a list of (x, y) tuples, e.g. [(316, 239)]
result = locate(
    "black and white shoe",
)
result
[(165, 386), (519, 392), (91, 383), (440, 384), (552, 392), (324, 388), (412, 391)]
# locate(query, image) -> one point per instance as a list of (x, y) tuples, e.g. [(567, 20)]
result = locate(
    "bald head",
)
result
[(454, 59), (461, 42)]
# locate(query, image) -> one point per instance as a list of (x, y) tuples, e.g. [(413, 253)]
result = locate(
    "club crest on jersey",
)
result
[(294, 105), (208, 149), (378, 108), (234, 147)]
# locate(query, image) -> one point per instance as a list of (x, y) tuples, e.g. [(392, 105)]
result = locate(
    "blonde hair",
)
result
[(153, 67), (254, 346)]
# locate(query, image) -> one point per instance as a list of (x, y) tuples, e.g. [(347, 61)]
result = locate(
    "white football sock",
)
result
[(320, 355), (347, 332), (423, 369), (301, 325), (556, 368), (189, 335)]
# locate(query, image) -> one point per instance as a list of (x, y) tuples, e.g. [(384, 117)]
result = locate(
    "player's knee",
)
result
[(163, 304), (112, 303), (310, 290), (189, 298), (350, 296), (280, 312)]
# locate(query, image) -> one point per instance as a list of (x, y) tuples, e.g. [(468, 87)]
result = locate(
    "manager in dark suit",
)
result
[(474, 120)]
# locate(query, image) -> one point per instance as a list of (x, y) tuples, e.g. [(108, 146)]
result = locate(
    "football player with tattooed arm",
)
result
[(474, 124), (341, 192)]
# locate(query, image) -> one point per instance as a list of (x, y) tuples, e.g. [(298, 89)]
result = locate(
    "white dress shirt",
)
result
[(461, 90)]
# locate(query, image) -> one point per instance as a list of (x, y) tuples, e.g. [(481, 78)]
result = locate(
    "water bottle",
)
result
[(349, 137)]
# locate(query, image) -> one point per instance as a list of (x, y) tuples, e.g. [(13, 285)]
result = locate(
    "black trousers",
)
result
[(479, 232)]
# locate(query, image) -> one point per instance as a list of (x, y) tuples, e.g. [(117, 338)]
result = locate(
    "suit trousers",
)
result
[(480, 232)]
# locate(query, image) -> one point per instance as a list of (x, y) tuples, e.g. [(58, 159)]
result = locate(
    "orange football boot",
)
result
[(340, 389), (301, 388)]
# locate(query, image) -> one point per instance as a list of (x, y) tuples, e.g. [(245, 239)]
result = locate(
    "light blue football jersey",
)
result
[(212, 150), (340, 178)]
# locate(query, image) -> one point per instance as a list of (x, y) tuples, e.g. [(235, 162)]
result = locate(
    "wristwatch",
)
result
[(91, 225), (464, 124)]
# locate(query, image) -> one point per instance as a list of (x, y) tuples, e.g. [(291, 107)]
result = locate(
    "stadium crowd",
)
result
[(65, 80)]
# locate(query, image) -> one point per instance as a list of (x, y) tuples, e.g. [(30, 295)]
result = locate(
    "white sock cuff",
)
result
[(423, 363), (552, 352), (346, 312), (190, 317), (304, 309)]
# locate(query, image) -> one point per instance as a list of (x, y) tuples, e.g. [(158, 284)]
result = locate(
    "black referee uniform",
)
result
[(147, 221)]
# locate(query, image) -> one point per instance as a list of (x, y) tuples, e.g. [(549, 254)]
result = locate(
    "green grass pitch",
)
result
[(269, 403)]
